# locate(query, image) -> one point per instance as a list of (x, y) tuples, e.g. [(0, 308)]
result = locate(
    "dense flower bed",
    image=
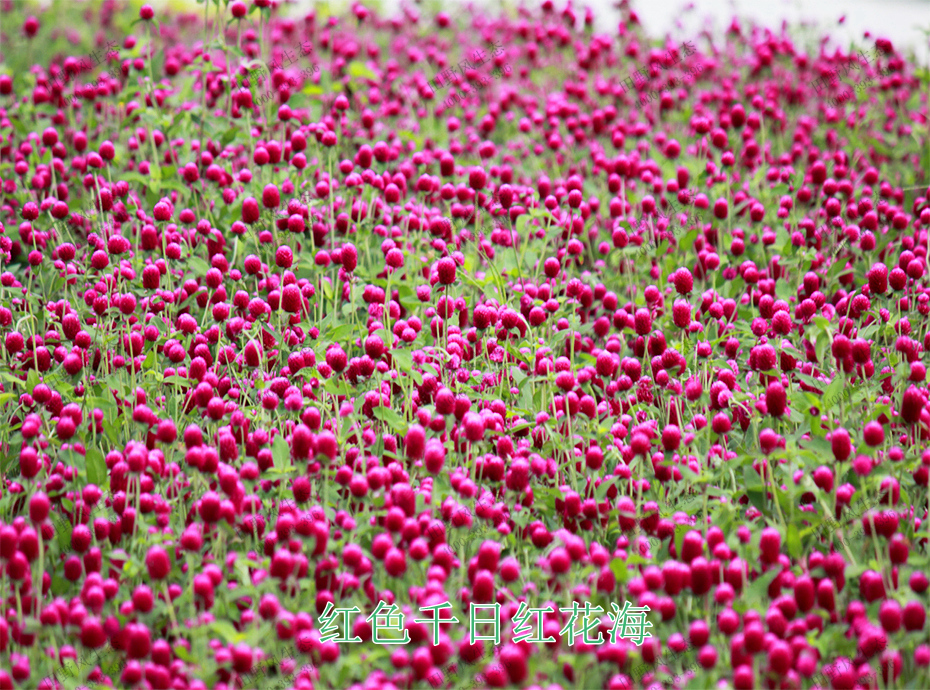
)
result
[(610, 373)]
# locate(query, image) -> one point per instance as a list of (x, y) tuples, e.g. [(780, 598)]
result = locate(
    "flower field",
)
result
[(471, 350)]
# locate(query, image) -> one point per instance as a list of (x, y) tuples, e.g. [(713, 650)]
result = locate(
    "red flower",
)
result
[(776, 399), (445, 269), (912, 404), (157, 563)]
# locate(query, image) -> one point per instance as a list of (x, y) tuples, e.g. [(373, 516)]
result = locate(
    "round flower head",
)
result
[(912, 404), (878, 279), (776, 399), (157, 563), (683, 280), (445, 269)]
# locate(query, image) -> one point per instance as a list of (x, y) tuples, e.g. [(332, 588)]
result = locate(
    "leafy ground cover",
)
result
[(605, 351)]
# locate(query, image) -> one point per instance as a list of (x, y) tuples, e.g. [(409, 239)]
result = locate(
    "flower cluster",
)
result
[(672, 57), (860, 85), (680, 652), (326, 417), (830, 75), (88, 658), (273, 674), (656, 94), (449, 75), (881, 520), (628, 623), (262, 71), (675, 208), (99, 509), (505, 663), (85, 65), (256, 219), (283, 58), (839, 672), (482, 84)]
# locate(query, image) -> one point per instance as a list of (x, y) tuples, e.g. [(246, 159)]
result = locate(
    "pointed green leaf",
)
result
[(96, 467)]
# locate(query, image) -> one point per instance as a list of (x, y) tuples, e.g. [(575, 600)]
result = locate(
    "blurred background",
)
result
[(905, 22)]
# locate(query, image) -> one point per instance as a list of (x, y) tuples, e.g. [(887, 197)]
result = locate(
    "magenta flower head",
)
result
[(284, 257), (721, 423), (291, 299), (681, 313), (349, 257), (477, 178), (912, 405), (874, 434), (775, 399), (157, 563), (394, 258), (146, 12), (770, 545), (271, 197), (162, 211), (823, 478), (915, 616), (840, 444), (862, 465), (878, 279), (671, 438), (435, 456), (31, 26), (39, 507), (415, 442), (250, 211), (683, 280), (768, 440), (474, 427), (445, 269), (642, 322)]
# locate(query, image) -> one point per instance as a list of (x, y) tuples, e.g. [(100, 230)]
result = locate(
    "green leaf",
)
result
[(688, 240), (758, 590), (96, 467), (227, 631), (357, 70), (820, 446), (70, 669), (691, 503), (183, 654), (620, 570), (389, 416), (32, 380), (751, 479), (59, 584), (64, 530), (403, 359), (280, 451), (831, 396), (342, 332)]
